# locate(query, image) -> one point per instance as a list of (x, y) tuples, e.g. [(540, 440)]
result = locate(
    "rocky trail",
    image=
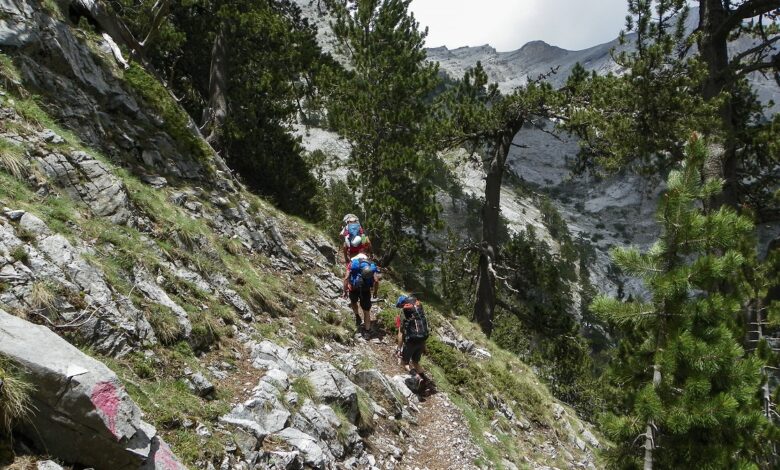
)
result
[(440, 439)]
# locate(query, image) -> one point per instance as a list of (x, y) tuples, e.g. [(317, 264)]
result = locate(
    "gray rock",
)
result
[(151, 158), (34, 225), (268, 355), (381, 389), (307, 445), (277, 378), (332, 386), (558, 410), (48, 465), (108, 321), (588, 437), (14, 214), (245, 441), (154, 181), (262, 414), (281, 460), (146, 284), (200, 385), (90, 180), (51, 137), (82, 412)]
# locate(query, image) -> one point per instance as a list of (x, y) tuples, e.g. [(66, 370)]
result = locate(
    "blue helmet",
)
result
[(401, 300)]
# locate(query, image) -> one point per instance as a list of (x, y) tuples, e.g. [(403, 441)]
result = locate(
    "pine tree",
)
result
[(382, 107), (685, 392), (476, 115)]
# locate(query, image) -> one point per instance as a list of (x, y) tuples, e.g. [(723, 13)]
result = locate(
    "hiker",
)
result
[(412, 334), (358, 283), (355, 238)]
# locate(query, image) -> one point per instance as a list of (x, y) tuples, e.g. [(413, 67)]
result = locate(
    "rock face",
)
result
[(89, 180), (82, 412), (81, 298)]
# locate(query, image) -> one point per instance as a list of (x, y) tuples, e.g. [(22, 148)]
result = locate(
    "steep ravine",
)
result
[(166, 317)]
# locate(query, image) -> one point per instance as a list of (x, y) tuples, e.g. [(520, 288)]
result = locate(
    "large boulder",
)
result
[(262, 414), (268, 355), (305, 444), (82, 413), (333, 387), (381, 389)]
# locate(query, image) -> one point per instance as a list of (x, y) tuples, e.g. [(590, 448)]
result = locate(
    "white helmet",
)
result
[(356, 241), (349, 217)]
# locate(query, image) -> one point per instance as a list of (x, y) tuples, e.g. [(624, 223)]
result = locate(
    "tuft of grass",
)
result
[(42, 295), (206, 329), (12, 159), (332, 317), (304, 388), (233, 246), (342, 432), (15, 393), (309, 342), (164, 323), (19, 253), (365, 418)]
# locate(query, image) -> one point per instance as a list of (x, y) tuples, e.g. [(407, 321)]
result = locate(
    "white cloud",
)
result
[(508, 24)]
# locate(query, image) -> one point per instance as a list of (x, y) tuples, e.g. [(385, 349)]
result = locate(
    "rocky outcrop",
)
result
[(47, 277), (83, 177), (278, 417), (82, 413)]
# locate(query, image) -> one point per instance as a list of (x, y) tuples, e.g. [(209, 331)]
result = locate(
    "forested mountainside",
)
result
[(596, 253)]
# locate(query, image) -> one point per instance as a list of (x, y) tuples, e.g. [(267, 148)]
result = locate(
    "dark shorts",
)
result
[(412, 351), (363, 295)]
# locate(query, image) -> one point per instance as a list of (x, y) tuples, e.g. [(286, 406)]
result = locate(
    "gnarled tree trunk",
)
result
[(713, 48), (485, 304), (215, 114)]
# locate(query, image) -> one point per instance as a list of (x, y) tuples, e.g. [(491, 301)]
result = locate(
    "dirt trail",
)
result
[(441, 439)]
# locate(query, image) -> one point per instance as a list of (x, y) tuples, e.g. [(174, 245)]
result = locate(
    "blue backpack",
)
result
[(361, 273), (353, 230)]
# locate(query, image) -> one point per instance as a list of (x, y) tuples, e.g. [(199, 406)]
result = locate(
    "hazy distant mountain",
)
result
[(510, 69)]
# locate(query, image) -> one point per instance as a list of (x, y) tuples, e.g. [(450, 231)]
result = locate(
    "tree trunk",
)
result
[(713, 48), (485, 304), (215, 114), (160, 10), (649, 440)]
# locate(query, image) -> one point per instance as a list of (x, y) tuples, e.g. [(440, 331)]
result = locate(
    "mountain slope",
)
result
[(221, 317)]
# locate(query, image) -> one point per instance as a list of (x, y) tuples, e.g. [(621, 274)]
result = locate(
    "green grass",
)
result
[(176, 120), (365, 418), (304, 388), (19, 253), (12, 159), (42, 295), (164, 323), (14, 396)]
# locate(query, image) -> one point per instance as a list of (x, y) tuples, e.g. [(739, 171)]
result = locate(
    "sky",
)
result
[(508, 24)]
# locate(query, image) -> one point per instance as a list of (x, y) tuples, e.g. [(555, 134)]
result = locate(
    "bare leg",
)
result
[(367, 319), (354, 307)]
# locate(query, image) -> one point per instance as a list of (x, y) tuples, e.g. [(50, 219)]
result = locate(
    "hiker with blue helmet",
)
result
[(412, 334), (359, 281)]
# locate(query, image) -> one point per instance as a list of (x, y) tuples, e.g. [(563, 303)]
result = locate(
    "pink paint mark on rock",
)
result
[(165, 459), (105, 397)]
